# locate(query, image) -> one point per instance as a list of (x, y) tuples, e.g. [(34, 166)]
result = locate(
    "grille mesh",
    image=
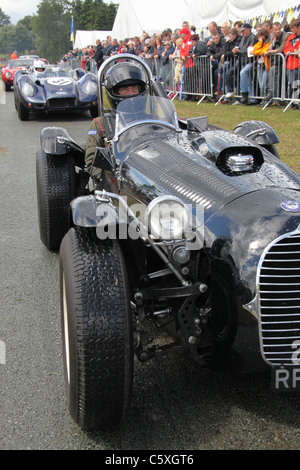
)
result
[(62, 102), (279, 295)]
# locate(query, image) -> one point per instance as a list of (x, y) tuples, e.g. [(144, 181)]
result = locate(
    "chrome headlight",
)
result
[(167, 218), (7, 75), (28, 89), (89, 87)]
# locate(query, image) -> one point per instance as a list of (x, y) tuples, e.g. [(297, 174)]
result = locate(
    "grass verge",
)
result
[(286, 125)]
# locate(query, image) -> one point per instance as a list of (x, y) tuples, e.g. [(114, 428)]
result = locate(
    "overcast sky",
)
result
[(17, 9)]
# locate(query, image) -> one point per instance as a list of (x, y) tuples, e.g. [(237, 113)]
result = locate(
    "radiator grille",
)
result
[(279, 298), (62, 103)]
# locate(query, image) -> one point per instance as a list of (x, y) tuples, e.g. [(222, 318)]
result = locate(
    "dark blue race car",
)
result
[(54, 88)]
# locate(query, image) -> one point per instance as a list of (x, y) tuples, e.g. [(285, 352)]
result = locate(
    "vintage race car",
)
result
[(55, 89), (8, 72), (190, 242)]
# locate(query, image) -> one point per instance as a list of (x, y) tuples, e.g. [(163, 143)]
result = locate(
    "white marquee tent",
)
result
[(88, 38), (135, 16), (202, 12)]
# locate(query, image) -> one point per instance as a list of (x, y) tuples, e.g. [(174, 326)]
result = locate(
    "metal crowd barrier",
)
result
[(207, 79), (193, 79), (292, 75), (250, 75), (280, 82), (87, 64), (201, 78)]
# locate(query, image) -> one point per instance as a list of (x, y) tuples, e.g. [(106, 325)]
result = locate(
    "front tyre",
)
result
[(96, 328), (56, 187), (23, 112)]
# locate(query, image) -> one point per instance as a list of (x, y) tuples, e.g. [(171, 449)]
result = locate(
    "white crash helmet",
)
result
[(39, 66)]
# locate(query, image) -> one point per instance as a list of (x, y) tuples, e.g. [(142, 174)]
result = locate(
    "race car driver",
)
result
[(123, 80), (39, 66)]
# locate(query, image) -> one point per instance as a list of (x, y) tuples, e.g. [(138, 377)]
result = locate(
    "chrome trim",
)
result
[(278, 331), (253, 307), (261, 131), (240, 162), (143, 233)]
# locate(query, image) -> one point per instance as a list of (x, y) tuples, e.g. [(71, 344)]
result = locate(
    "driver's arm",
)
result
[(96, 136)]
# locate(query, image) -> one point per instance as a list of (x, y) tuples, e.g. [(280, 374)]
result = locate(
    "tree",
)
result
[(93, 14), (4, 19), (52, 27), (16, 38), (48, 32), (105, 15), (26, 22)]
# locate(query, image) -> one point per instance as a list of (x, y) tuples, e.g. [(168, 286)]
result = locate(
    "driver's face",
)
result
[(129, 90)]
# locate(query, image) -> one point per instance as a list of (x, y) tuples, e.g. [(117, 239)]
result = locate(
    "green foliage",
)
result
[(48, 32), (93, 14), (16, 38), (286, 125), (4, 19), (52, 27), (26, 22)]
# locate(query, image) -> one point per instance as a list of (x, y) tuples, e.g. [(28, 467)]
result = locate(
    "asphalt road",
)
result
[(175, 406)]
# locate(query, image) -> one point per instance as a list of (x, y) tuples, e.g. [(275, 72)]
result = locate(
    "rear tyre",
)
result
[(56, 187), (96, 329)]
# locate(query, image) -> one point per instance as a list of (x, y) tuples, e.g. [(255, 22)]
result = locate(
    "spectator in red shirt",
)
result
[(291, 51), (184, 56)]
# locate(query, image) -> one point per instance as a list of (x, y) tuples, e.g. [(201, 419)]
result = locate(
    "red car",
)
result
[(8, 72)]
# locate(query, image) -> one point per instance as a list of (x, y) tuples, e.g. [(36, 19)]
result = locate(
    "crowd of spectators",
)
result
[(233, 50)]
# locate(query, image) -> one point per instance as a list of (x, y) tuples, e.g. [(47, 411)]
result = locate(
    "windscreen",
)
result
[(15, 63), (59, 72), (145, 108), (141, 119)]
